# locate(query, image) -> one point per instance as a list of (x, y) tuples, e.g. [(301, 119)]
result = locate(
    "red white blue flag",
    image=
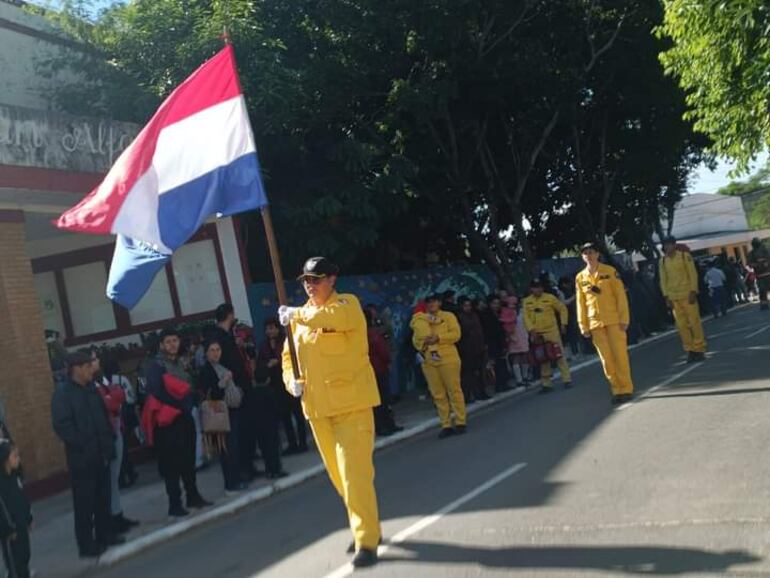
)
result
[(195, 158)]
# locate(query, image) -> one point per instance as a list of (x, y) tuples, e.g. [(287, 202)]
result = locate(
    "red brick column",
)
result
[(26, 384)]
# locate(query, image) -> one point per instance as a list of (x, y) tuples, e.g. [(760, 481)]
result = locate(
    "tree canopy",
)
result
[(720, 53), (495, 130), (755, 194)]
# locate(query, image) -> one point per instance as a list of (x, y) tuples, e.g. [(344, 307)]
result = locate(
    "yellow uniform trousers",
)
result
[(612, 344), (688, 323), (444, 385), (346, 443), (554, 336)]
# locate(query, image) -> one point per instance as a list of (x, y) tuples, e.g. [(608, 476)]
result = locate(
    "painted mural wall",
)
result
[(396, 294)]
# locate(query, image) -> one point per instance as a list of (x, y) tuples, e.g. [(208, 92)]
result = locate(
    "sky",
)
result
[(706, 181)]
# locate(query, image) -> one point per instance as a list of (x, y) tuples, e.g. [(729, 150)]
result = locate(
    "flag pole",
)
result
[(275, 258)]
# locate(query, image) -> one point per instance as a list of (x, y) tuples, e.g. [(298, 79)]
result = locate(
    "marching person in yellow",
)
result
[(545, 318), (602, 310), (679, 283), (435, 334), (338, 389)]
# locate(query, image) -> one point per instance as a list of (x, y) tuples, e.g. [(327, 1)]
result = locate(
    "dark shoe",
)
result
[(291, 451), (483, 396), (247, 478), (445, 433), (276, 475), (121, 524), (470, 401), (384, 433), (398, 428), (177, 512), (617, 399), (545, 390), (698, 356), (237, 488), (93, 551), (503, 388), (364, 558), (114, 540), (197, 502), (626, 397), (461, 429), (568, 385)]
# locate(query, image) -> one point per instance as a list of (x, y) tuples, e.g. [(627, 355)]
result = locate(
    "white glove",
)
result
[(286, 314), (295, 388)]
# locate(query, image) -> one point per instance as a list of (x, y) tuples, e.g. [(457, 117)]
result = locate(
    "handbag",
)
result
[(553, 351), (538, 354), (215, 417)]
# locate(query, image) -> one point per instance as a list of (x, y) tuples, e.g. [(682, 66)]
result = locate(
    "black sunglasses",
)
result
[(313, 280)]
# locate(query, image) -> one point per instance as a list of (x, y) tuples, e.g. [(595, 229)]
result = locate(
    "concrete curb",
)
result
[(133, 547)]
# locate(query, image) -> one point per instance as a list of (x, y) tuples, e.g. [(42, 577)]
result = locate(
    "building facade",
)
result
[(53, 282), (711, 225)]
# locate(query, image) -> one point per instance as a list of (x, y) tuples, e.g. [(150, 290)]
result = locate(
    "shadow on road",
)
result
[(652, 560), (711, 393)]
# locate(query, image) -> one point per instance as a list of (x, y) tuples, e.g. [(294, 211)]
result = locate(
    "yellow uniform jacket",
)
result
[(540, 313), (678, 277), (333, 354), (446, 326), (601, 299)]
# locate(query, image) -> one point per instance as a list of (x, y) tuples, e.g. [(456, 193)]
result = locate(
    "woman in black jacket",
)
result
[(15, 514), (216, 383), (289, 408)]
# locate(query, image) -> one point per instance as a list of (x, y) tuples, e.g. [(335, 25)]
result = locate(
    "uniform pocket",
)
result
[(339, 379), (332, 343)]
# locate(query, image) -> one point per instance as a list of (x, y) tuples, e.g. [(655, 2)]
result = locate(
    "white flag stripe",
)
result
[(201, 143)]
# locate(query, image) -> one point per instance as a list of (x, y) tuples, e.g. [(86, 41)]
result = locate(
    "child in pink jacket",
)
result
[(518, 341)]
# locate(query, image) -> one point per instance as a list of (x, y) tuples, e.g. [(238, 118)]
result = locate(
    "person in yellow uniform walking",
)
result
[(679, 283), (435, 334), (545, 318), (602, 310), (338, 389)]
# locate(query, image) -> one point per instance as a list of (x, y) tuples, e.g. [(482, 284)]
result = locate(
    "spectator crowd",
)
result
[(221, 395)]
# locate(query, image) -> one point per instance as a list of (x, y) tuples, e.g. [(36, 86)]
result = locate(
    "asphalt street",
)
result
[(675, 483)]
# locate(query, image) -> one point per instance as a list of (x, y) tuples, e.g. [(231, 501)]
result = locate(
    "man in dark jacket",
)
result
[(175, 442), (494, 336), (473, 352), (80, 420)]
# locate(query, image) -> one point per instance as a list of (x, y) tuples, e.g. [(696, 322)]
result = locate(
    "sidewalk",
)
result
[(54, 553)]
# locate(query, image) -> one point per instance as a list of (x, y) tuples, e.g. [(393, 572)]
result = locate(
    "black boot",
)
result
[(197, 502), (364, 558)]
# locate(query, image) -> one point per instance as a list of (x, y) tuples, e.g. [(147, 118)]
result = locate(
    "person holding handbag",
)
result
[(216, 383), (545, 318)]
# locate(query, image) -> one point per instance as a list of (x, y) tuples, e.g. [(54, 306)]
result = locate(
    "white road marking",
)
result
[(424, 523), (662, 384), (757, 332)]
